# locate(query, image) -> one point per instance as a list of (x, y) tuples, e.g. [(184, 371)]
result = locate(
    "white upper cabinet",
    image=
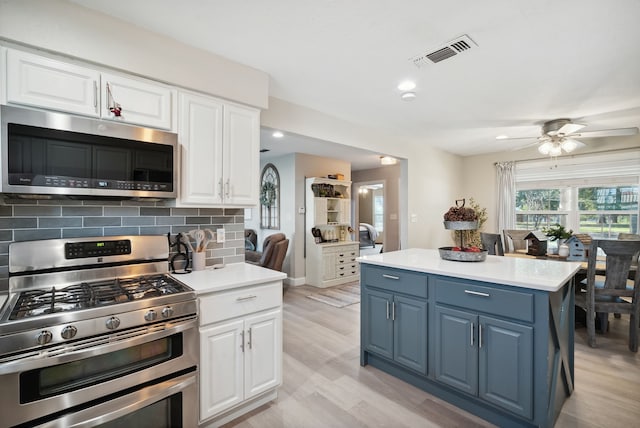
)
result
[(220, 145), (39, 81), (200, 136), (241, 155), (43, 82), (136, 101)]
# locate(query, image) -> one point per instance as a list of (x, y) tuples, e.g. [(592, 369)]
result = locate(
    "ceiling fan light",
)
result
[(569, 145), (545, 147), (556, 150)]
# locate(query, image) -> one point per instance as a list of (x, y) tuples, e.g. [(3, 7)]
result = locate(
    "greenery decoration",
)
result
[(557, 231), (268, 194)]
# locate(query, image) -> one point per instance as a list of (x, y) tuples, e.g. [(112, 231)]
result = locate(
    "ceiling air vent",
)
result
[(452, 48)]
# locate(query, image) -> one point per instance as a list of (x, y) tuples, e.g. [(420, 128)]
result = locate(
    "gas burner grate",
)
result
[(88, 295)]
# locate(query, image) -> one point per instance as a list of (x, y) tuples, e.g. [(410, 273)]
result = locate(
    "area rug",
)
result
[(339, 296)]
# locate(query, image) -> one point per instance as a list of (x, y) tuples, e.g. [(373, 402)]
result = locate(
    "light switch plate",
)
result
[(219, 235)]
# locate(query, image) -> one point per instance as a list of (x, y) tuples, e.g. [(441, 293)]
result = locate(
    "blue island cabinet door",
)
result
[(506, 365), (456, 352), (410, 333), (377, 323)]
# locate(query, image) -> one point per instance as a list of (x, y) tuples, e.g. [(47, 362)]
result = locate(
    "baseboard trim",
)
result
[(295, 281)]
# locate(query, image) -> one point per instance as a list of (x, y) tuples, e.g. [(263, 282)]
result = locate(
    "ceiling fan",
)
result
[(560, 135)]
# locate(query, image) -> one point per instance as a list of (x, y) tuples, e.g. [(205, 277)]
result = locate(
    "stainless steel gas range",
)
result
[(96, 333)]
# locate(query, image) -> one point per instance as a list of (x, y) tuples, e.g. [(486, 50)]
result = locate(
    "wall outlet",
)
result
[(219, 235)]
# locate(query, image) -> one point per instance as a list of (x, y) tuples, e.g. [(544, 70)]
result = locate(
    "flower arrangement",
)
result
[(472, 237)]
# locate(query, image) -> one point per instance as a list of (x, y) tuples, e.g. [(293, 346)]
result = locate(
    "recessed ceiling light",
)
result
[(277, 134), (408, 96), (407, 85), (502, 137)]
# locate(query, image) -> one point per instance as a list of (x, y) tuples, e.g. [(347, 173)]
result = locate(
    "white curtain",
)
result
[(506, 195)]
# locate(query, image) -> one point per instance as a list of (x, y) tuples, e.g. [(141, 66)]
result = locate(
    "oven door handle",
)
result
[(85, 348), (127, 404)]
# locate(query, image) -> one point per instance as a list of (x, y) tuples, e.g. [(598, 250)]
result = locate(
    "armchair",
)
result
[(274, 250)]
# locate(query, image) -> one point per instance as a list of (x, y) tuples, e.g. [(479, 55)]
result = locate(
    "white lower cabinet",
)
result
[(241, 350)]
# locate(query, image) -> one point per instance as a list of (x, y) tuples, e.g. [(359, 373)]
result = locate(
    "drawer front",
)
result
[(346, 270), (497, 301), (396, 280), (233, 303)]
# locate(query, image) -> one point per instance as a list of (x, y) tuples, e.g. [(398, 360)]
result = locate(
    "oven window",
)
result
[(67, 377), (166, 413)]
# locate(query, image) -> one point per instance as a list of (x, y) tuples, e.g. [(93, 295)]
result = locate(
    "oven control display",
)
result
[(78, 250)]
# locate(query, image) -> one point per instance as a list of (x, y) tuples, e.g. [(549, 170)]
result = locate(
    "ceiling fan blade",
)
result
[(570, 128), (619, 132)]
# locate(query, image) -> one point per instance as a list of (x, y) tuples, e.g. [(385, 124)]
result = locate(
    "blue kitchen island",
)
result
[(494, 338)]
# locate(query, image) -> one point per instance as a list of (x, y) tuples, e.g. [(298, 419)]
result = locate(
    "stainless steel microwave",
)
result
[(57, 154)]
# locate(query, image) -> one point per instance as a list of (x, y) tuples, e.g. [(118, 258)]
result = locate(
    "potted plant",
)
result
[(557, 232)]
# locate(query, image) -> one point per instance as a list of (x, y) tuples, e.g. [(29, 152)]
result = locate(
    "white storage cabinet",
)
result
[(44, 82), (240, 350), (220, 144)]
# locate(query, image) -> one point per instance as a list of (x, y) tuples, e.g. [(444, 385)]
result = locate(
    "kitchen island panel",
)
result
[(508, 360)]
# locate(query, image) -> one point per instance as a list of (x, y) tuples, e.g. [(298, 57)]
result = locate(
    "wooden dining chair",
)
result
[(492, 242), (616, 293), (514, 240)]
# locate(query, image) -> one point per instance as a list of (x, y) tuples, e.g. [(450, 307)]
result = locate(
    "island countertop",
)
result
[(545, 275), (233, 275)]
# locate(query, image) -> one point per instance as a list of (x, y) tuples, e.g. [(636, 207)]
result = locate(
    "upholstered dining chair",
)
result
[(492, 242), (616, 293), (514, 240)]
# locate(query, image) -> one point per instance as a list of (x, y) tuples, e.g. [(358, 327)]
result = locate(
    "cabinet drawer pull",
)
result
[(242, 299), (387, 309), (479, 335), (472, 331), (393, 311), (477, 293), (250, 339), (384, 275), (242, 341), (340, 255)]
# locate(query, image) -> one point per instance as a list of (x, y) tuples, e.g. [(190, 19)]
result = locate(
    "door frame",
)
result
[(356, 206)]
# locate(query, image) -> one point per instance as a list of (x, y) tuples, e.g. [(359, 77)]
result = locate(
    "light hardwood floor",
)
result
[(324, 385)]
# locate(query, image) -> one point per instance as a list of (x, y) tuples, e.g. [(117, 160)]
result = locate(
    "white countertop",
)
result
[(233, 275), (546, 275)]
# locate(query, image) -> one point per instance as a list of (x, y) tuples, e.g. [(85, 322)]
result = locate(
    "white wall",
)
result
[(480, 176), (78, 32), (432, 178)]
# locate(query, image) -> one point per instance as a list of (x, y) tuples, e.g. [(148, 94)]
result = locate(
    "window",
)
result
[(270, 198), (594, 194)]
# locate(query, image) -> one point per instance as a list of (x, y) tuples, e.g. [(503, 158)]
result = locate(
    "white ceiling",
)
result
[(534, 60)]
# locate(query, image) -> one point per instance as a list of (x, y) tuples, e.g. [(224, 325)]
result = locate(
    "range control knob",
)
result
[(113, 323), (151, 315), (44, 337), (68, 332), (167, 312)]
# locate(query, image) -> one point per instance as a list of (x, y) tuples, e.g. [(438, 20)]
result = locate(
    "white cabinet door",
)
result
[(263, 356), (344, 215), (43, 82), (200, 136), (221, 367), (141, 102), (320, 211), (329, 259), (241, 155)]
